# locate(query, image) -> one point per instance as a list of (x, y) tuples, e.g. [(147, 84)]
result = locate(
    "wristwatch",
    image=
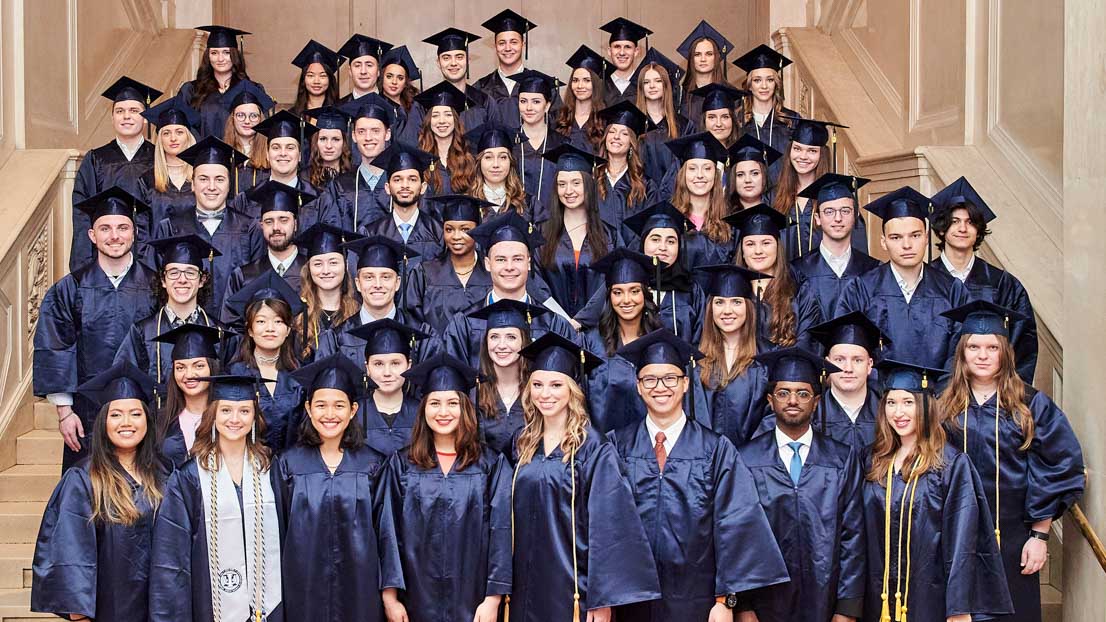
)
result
[(1040, 535), (729, 600)]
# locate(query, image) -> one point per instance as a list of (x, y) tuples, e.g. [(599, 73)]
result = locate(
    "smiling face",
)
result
[(699, 176), (580, 83), (316, 80), (805, 158), (652, 84), (363, 71), (759, 252), (278, 228), (371, 136), (405, 187), (508, 48), (617, 139), (127, 119), (504, 345), (185, 372), (246, 116), (748, 180), (330, 412), (443, 412), (962, 232), (183, 289), (508, 263), (662, 243), (901, 409), (386, 370), (327, 270), (234, 418), (533, 107), (836, 218), (453, 65), (662, 401), (329, 144), (284, 156), (394, 80), (622, 54), (268, 330), (495, 164), (728, 313), (442, 121), (904, 239), (855, 364), (456, 237), (174, 139), (112, 235), (210, 185), (378, 287), (220, 59), (627, 300), (126, 423), (550, 392), (762, 83), (570, 189)]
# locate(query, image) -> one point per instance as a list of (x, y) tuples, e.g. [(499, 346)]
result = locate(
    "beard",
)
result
[(279, 242), (408, 203)]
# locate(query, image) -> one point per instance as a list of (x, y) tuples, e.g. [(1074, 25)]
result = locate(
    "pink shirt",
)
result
[(697, 220), (189, 421)]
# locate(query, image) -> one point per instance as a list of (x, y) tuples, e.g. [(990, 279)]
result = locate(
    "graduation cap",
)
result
[(981, 317), (211, 150), (442, 372), (267, 286), (191, 341), (370, 106), (274, 196), (705, 31), (622, 29), (905, 202), (833, 186), (222, 36), (570, 158), (719, 96), (591, 60), (762, 57), (401, 56), (812, 131), (329, 118), (235, 387), (114, 201), (702, 145), (388, 336), (660, 215), (359, 45), (321, 238), (458, 207), (400, 156), (757, 220), (627, 114), (333, 372), (622, 266), (958, 193), (660, 347), (552, 352), (451, 40), (796, 365), (173, 111), (749, 149), (491, 135), (505, 313), (851, 328), (122, 381), (378, 251), (315, 52), (897, 375), (654, 57), (507, 227), (533, 81), (284, 124), (249, 92), (188, 249), (444, 94), (730, 281), (129, 89)]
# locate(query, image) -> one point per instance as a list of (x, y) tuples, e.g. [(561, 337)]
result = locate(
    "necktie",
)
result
[(280, 269), (405, 230), (658, 449), (796, 461)]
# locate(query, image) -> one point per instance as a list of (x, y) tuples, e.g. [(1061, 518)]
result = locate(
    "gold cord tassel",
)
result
[(576, 607), (885, 614), (507, 609)]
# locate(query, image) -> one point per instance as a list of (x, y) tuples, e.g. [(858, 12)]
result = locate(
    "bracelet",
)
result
[(1040, 535), (71, 413)]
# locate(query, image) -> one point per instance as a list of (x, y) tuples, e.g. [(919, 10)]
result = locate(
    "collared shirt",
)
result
[(759, 118), (371, 178), (188, 421), (852, 413), (175, 320), (282, 266), (620, 83), (671, 433), (355, 95), (367, 318), (786, 452), (837, 263), (400, 222), (960, 274), (509, 83), (127, 151), (491, 298), (907, 288), (212, 220)]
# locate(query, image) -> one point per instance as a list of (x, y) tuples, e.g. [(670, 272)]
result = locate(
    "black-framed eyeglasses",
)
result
[(189, 274), (670, 381)]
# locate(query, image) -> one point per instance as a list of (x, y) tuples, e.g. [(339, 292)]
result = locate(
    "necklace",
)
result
[(266, 360), (466, 272), (445, 453)]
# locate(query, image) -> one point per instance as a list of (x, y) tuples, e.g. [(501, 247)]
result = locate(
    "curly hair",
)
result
[(576, 427)]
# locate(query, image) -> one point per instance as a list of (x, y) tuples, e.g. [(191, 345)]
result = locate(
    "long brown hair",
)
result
[(566, 115), (714, 227), (634, 169), (307, 323), (596, 233), (778, 294), (713, 370), (259, 144), (576, 425), (286, 358), (689, 74), (330, 95), (1011, 393), (318, 173), (207, 444), (487, 393), (777, 97), (466, 439), (928, 450), (516, 191), (175, 401), (161, 166), (668, 100), (461, 164), (112, 497), (787, 188), (205, 82)]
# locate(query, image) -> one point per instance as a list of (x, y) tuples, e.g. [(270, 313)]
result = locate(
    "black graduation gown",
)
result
[(282, 408), (93, 568), (819, 526), (538, 175), (499, 432), (435, 294), (917, 331), (213, 111), (572, 283), (656, 157), (616, 206), (425, 238), (774, 133), (81, 324), (140, 348), (859, 434), (503, 108), (180, 580), (807, 315), (463, 334), (165, 204), (102, 168), (472, 117), (1036, 484), (738, 408), (336, 204), (450, 534), (330, 559), (615, 96), (613, 561), (577, 137), (986, 282), (709, 535), (249, 271), (824, 283), (955, 567), (381, 437)]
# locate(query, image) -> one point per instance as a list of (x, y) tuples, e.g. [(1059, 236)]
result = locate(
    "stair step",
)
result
[(1052, 606), (46, 416), (39, 447), (14, 559), (29, 482), (19, 521), (15, 606)]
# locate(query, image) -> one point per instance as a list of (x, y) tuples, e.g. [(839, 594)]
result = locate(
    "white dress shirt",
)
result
[(837, 263), (907, 289), (852, 413), (366, 318), (671, 433), (620, 83), (960, 274), (127, 151), (786, 452), (281, 266)]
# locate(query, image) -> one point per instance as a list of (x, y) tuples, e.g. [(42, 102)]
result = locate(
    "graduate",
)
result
[(531, 108), (497, 180), (419, 234), (329, 153), (511, 40), (837, 218), (192, 352), (750, 163), (218, 519), (850, 408), (622, 51), (317, 85), (87, 314), (215, 219), (960, 218), (935, 544), (442, 132), (446, 516), (806, 159), (657, 76), (699, 192), (222, 67), (577, 120), (326, 289), (708, 553), (810, 488), (398, 71), (93, 545), (1019, 441), (455, 281), (364, 55), (121, 162), (287, 134), (620, 175), (167, 186), (904, 299), (764, 116), (327, 502), (705, 50), (358, 197), (718, 101), (579, 546), (249, 106), (453, 62)]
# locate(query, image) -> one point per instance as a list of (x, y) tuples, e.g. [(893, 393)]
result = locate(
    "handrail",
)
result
[(1089, 533)]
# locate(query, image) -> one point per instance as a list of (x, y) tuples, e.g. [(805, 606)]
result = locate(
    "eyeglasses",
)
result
[(650, 382), (784, 395), (831, 212), (242, 116), (190, 274)]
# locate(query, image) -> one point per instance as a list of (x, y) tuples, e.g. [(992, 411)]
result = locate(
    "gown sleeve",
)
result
[(171, 557), (1023, 333), (55, 340), (1055, 478), (850, 583), (65, 572), (415, 289), (500, 555), (808, 314), (85, 186), (390, 523)]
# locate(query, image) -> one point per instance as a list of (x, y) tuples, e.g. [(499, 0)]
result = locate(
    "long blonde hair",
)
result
[(259, 144), (668, 99), (576, 426), (777, 98), (1011, 393), (161, 166), (928, 451), (714, 227)]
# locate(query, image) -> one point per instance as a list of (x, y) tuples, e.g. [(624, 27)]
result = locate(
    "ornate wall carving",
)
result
[(38, 276)]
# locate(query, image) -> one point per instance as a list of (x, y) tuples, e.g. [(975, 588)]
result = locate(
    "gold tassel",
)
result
[(507, 609), (898, 606), (884, 614), (576, 607)]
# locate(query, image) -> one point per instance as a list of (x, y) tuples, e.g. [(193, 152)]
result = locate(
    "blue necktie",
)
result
[(405, 230), (796, 462)]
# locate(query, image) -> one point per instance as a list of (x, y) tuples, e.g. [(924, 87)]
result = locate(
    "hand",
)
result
[(1034, 555), (70, 426), (77, 616), (488, 611), (964, 617), (837, 617), (599, 615), (575, 324), (720, 613), (747, 616), (394, 611)]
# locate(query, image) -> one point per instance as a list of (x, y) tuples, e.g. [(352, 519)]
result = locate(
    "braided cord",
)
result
[(213, 538)]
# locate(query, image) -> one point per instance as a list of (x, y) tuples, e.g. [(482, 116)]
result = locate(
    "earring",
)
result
[(253, 432), (213, 438)]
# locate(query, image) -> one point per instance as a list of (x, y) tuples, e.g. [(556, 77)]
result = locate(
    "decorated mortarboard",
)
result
[(832, 186), (333, 372), (622, 266), (587, 58), (627, 114), (442, 372), (491, 135), (796, 365), (702, 145), (905, 202), (329, 118), (359, 45), (749, 149), (897, 375), (762, 57), (274, 196), (759, 219), (388, 336), (192, 341), (370, 106), (321, 238), (852, 328), (569, 158), (129, 89), (705, 31), (981, 317), (660, 347), (451, 40), (114, 201), (234, 387), (552, 352), (284, 124), (444, 94), (173, 111), (508, 227), (378, 251), (211, 150), (222, 36), (719, 96), (315, 52), (958, 193), (509, 21), (505, 313), (249, 92), (660, 215), (622, 29), (122, 381), (533, 81), (400, 156), (266, 286), (730, 281), (188, 249), (654, 57), (458, 207), (401, 56)]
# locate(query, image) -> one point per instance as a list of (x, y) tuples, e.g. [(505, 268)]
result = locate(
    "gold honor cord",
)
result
[(900, 596)]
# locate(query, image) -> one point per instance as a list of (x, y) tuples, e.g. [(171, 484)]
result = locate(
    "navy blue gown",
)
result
[(775, 133), (656, 157), (247, 272), (165, 204), (859, 434), (425, 238), (538, 175), (282, 408), (174, 451), (616, 206), (329, 524), (102, 168), (383, 438), (140, 348), (446, 538), (337, 202), (213, 111), (807, 315), (463, 335), (339, 339), (680, 310), (435, 294), (708, 533), (812, 270), (571, 282), (738, 408), (499, 432)]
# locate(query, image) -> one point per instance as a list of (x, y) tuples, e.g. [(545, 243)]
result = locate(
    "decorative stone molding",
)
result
[(38, 276)]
